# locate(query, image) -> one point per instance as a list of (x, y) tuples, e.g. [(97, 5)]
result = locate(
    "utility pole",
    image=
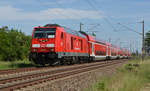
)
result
[(130, 47), (143, 44), (81, 27), (121, 44), (109, 40)]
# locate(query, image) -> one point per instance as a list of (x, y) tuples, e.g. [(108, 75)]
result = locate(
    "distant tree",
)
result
[(93, 34), (147, 42), (14, 44)]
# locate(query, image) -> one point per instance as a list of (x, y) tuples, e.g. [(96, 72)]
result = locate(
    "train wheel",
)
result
[(43, 65), (62, 62), (73, 61)]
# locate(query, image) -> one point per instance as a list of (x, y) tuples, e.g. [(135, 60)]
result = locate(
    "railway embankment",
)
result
[(4, 65), (133, 76)]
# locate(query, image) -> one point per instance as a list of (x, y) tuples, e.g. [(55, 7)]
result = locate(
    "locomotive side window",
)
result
[(71, 42), (81, 45), (61, 35)]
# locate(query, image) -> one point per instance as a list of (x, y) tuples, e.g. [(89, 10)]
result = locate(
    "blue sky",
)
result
[(26, 14)]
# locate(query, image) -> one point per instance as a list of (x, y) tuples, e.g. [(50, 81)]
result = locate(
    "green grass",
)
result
[(127, 78), (15, 64)]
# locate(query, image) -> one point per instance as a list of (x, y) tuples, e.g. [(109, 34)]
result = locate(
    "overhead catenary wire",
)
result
[(104, 18), (130, 29), (73, 13), (107, 21), (64, 14), (60, 5), (94, 27), (94, 7)]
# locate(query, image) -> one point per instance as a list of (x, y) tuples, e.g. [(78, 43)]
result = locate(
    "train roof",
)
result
[(74, 32), (68, 30), (100, 41), (52, 25), (95, 39)]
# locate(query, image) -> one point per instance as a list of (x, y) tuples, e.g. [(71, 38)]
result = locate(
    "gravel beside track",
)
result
[(34, 70), (11, 71), (44, 75)]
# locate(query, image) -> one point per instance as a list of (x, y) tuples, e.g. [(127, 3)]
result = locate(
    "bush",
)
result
[(14, 44)]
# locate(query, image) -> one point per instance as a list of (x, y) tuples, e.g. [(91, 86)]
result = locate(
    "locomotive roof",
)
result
[(74, 32), (68, 30), (52, 25)]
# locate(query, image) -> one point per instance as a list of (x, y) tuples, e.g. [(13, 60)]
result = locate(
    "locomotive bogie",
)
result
[(43, 58)]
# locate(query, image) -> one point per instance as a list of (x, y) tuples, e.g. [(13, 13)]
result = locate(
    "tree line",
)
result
[(14, 44), (147, 42)]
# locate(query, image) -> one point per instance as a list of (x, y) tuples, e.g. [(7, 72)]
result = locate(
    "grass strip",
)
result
[(15, 64), (133, 76)]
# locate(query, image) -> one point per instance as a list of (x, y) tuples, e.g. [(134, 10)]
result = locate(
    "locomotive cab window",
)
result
[(44, 32)]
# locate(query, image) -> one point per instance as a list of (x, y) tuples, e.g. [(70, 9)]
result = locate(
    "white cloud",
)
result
[(11, 13)]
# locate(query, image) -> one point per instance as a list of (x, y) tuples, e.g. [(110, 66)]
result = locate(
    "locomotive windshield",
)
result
[(44, 32)]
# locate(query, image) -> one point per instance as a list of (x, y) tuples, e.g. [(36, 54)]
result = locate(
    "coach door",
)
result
[(107, 51), (110, 51), (92, 44), (62, 42)]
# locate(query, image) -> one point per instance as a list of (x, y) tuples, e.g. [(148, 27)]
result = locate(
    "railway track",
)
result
[(29, 78), (11, 71), (8, 74)]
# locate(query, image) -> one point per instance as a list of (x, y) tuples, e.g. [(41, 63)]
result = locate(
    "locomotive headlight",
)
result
[(35, 45), (50, 45)]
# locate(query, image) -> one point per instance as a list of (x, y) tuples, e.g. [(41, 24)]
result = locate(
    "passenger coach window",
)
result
[(61, 35), (81, 45)]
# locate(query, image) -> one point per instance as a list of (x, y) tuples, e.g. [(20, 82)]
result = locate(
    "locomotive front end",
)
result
[(43, 45)]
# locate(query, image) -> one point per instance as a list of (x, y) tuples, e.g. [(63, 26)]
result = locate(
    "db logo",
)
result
[(77, 44), (43, 45), (61, 43)]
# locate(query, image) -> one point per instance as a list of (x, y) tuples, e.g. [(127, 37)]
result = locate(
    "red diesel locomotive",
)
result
[(56, 44)]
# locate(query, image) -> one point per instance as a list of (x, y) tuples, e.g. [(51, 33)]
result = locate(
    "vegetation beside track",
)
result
[(15, 64), (14, 48), (133, 76), (14, 44)]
